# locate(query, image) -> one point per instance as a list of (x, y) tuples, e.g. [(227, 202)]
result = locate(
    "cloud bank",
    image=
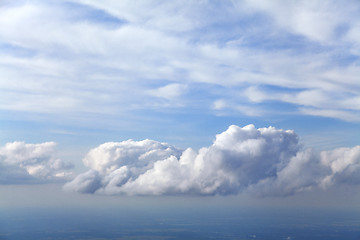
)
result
[(264, 161), (22, 163)]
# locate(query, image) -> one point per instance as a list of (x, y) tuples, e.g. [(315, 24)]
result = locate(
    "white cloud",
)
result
[(311, 102), (32, 163), (170, 91), (310, 170), (344, 115), (116, 154), (52, 60), (316, 20), (264, 162), (238, 158), (219, 104), (228, 107), (175, 16)]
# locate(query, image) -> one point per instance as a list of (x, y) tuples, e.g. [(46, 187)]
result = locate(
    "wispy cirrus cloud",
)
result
[(84, 56)]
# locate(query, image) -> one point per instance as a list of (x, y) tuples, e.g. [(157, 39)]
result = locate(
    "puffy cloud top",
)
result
[(238, 158), (112, 155), (264, 161), (31, 163)]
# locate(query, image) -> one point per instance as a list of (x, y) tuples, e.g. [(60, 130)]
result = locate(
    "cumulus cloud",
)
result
[(264, 161), (31, 163)]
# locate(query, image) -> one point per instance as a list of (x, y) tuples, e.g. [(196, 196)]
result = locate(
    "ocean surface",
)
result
[(118, 223)]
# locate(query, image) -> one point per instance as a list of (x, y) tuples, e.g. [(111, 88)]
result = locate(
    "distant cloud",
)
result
[(31, 163), (309, 170), (344, 115), (170, 91), (316, 20), (264, 162), (228, 107)]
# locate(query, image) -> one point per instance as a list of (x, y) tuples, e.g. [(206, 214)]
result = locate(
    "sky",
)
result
[(254, 99)]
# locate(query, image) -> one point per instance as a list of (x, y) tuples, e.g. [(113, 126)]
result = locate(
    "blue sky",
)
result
[(78, 74)]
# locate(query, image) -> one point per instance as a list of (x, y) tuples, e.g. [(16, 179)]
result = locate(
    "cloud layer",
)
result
[(264, 161), (22, 163), (89, 53)]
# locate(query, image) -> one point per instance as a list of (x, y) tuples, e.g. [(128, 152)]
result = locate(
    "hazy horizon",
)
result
[(179, 119)]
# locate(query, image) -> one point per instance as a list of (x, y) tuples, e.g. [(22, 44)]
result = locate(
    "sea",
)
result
[(182, 223)]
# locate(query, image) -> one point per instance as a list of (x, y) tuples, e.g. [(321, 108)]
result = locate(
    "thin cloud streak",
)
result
[(88, 64)]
